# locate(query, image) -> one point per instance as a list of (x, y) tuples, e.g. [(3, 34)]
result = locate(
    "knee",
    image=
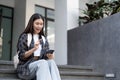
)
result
[(51, 62), (42, 63)]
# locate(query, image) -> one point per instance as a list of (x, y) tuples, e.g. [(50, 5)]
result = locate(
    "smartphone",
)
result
[(50, 51)]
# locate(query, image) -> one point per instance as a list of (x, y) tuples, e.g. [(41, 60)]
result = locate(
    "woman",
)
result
[(34, 64)]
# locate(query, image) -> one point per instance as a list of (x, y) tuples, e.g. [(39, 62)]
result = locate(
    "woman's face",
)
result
[(37, 26)]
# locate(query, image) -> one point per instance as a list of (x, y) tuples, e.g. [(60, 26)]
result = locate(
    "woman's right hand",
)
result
[(36, 46)]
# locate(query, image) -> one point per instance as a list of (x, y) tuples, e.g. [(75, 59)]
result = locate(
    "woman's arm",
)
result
[(49, 55), (22, 47), (24, 53), (30, 52)]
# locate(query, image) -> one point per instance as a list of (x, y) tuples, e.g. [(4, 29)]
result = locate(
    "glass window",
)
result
[(50, 14), (6, 37), (49, 23), (51, 34), (5, 32), (6, 11), (40, 10)]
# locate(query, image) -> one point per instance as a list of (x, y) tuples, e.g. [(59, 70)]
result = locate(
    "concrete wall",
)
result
[(9, 3), (19, 22), (97, 44)]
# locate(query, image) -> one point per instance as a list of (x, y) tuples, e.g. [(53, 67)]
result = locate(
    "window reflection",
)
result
[(40, 10), (49, 23), (50, 14), (6, 16), (51, 34), (0, 33)]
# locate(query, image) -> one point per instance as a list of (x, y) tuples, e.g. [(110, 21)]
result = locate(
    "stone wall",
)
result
[(96, 44)]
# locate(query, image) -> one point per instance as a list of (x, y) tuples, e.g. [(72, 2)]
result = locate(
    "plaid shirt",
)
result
[(22, 47)]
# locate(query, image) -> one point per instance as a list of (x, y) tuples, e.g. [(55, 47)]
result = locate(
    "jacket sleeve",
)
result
[(22, 46), (47, 44)]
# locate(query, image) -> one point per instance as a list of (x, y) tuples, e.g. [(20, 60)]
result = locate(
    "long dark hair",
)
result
[(29, 28)]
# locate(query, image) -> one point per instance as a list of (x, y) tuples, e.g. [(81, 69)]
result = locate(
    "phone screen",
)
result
[(50, 51)]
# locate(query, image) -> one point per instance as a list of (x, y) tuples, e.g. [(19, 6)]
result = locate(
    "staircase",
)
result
[(67, 72)]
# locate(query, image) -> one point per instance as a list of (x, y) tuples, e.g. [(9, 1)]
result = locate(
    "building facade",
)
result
[(60, 16)]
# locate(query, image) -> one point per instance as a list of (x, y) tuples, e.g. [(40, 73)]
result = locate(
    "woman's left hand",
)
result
[(50, 56)]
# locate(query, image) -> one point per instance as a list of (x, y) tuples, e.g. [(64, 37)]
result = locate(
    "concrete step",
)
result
[(9, 79), (6, 64), (75, 68), (82, 79), (8, 73), (67, 72), (11, 73), (9, 65), (82, 75)]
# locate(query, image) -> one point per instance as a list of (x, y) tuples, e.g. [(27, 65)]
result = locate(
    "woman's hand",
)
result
[(30, 52), (50, 56), (36, 46)]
